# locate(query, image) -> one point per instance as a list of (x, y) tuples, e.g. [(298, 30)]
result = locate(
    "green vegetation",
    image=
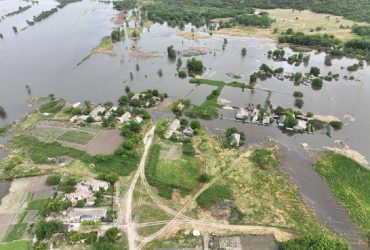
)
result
[(208, 109), (112, 240), (117, 35), (264, 159), (45, 229), (18, 11), (336, 124), (77, 137), (195, 66), (53, 180), (166, 173), (43, 15), (298, 102), (317, 241), (317, 83), (16, 232), (361, 30), (52, 106), (37, 204), (4, 129), (171, 52), (213, 195), (124, 4), (16, 245), (262, 20), (229, 138), (350, 182)]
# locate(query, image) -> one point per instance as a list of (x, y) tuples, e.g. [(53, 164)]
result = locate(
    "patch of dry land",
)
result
[(304, 21), (105, 47), (20, 193), (192, 35)]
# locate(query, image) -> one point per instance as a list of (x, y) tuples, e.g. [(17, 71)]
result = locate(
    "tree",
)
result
[(45, 229), (336, 124), (109, 177), (290, 121), (182, 74), (195, 66), (112, 234), (298, 94), (171, 52), (2, 112), (244, 51), (179, 63), (123, 100), (160, 73), (298, 103), (317, 83), (194, 124), (315, 71), (80, 203)]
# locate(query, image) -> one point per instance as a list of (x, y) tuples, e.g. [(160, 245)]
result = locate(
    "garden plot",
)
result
[(92, 140)]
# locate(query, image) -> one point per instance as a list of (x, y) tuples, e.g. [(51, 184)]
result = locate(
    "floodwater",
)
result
[(45, 56)]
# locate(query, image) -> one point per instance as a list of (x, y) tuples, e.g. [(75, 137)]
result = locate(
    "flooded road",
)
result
[(45, 56)]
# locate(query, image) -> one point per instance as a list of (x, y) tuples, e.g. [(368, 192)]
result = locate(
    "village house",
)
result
[(188, 131), (77, 105), (281, 121), (175, 125), (138, 119), (96, 113), (241, 114), (85, 191), (235, 139), (77, 215), (301, 126), (124, 118)]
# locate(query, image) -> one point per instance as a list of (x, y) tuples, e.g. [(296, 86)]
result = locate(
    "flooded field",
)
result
[(45, 57)]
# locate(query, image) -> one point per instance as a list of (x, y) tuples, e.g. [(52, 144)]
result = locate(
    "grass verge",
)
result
[(16, 245), (350, 183), (16, 232)]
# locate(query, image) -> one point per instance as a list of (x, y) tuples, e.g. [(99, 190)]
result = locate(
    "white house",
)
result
[(96, 111), (241, 114), (235, 139), (77, 105), (138, 119), (175, 125), (124, 118)]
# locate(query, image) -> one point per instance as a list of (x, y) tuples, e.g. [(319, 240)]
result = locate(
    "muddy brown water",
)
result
[(45, 57)]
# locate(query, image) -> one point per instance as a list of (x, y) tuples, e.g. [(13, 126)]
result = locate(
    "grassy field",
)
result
[(304, 21), (77, 137), (37, 204), (350, 182), (15, 232), (105, 47), (52, 106), (16, 245)]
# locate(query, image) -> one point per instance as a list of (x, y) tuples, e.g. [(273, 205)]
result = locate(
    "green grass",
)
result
[(350, 182), (264, 158), (213, 195), (208, 109), (16, 232), (77, 137), (16, 245), (37, 204), (22, 216), (167, 174), (52, 106), (40, 151), (4, 129)]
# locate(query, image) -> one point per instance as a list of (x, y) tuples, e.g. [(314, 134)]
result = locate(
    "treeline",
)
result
[(261, 20), (334, 47), (199, 13), (124, 5), (361, 30), (358, 10)]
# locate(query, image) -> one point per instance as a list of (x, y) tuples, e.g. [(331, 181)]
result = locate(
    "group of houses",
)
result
[(174, 127), (250, 114), (253, 115), (85, 190), (100, 112)]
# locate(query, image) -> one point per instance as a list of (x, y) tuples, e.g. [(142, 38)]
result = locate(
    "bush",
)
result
[(317, 83), (53, 180), (203, 178), (290, 121), (298, 103), (298, 94), (317, 241), (336, 124), (171, 52), (182, 74), (109, 177), (315, 71)]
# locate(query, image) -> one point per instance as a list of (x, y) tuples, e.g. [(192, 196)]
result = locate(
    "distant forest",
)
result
[(201, 11)]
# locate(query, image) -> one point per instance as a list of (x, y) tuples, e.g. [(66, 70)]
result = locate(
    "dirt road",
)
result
[(131, 231)]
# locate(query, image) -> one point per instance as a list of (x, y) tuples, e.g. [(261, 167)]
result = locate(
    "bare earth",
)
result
[(106, 142)]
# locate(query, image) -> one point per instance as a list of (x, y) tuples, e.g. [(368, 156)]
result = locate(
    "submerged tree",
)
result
[(2, 112), (244, 51), (171, 52)]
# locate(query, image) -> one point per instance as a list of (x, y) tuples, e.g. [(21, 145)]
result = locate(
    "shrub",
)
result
[(45, 229), (336, 124), (53, 180), (203, 178), (195, 66), (290, 121), (298, 103), (298, 94), (182, 74), (317, 83), (315, 71), (317, 241)]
